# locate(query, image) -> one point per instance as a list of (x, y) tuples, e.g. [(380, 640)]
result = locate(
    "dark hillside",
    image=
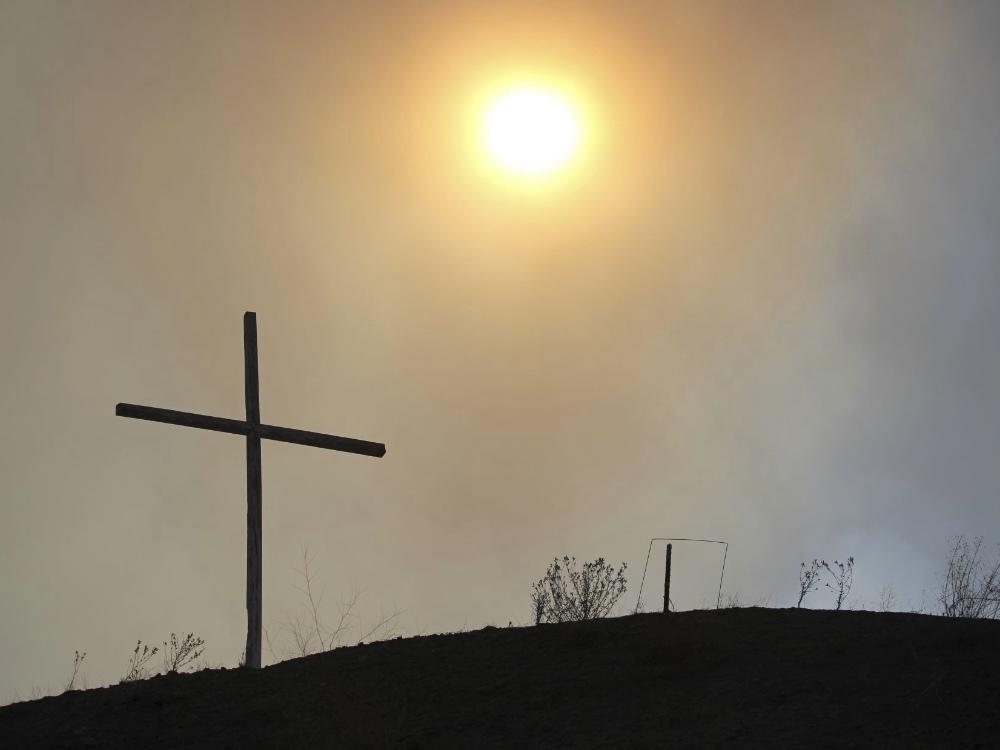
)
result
[(745, 677)]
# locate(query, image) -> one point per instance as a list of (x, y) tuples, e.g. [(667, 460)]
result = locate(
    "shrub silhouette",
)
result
[(841, 579), (887, 599), (178, 654), (567, 593), (77, 661), (971, 586), (137, 669), (310, 633), (808, 579)]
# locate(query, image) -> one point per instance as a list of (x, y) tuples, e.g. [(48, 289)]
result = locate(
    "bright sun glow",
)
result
[(531, 131)]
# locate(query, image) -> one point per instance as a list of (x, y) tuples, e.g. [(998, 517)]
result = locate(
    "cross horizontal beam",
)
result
[(239, 427)]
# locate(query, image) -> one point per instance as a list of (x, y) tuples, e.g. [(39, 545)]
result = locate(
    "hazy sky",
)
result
[(760, 307)]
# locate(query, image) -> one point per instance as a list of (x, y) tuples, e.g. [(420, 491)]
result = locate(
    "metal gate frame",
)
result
[(725, 554)]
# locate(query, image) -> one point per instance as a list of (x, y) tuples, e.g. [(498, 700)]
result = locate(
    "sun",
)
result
[(531, 131)]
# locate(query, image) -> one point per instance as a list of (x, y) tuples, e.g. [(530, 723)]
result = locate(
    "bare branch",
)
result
[(887, 599), (77, 661), (383, 622), (971, 586), (808, 579), (842, 578), (141, 655)]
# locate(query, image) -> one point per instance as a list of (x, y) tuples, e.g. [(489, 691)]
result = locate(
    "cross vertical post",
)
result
[(254, 530), (666, 582)]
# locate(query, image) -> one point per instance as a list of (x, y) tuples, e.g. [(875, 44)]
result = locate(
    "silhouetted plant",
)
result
[(177, 654), (566, 594), (971, 586), (887, 599), (304, 634), (137, 664), (808, 579), (310, 634), (539, 600), (732, 600), (842, 575), (77, 661)]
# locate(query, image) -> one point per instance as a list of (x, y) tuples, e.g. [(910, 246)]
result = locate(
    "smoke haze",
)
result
[(761, 308)]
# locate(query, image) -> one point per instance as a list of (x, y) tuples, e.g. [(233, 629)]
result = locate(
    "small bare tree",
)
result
[(314, 636), (137, 664), (178, 654), (887, 599), (567, 593), (77, 661), (842, 578), (310, 634), (971, 586), (808, 579)]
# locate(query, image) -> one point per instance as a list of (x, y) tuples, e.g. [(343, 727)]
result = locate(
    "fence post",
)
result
[(666, 582)]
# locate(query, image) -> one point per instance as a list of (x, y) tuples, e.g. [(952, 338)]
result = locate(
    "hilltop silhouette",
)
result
[(737, 677)]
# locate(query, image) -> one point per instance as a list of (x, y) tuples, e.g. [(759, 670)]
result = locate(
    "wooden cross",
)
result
[(254, 431)]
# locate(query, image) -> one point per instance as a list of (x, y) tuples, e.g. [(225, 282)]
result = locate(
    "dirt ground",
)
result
[(735, 678)]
